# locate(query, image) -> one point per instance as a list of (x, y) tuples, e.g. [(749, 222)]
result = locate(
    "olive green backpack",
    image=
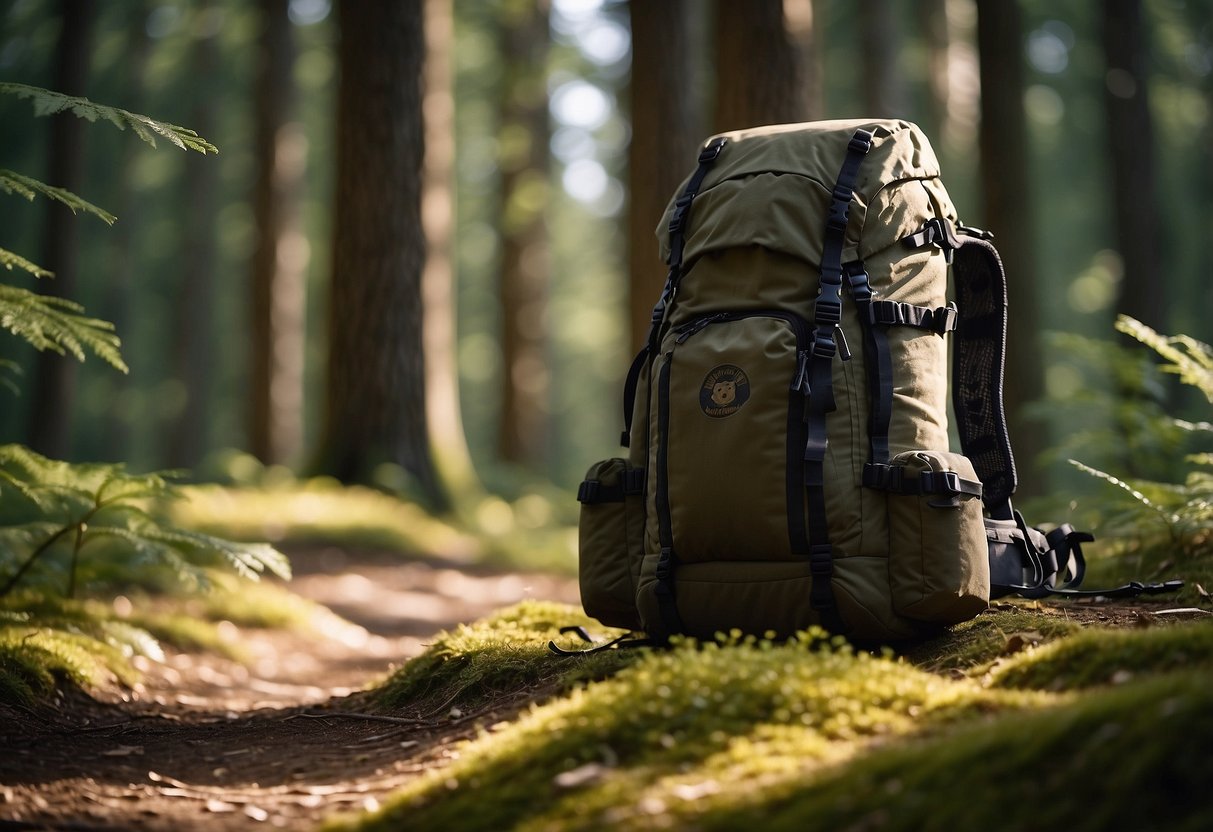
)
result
[(788, 457)]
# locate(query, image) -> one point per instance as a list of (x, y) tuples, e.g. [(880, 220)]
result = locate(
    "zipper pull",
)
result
[(844, 349), (800, 381), (687, 330)]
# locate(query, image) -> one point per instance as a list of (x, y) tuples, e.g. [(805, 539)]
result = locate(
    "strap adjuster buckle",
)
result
[(712, 149)]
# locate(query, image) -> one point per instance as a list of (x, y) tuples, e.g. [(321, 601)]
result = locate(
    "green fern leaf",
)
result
[(1190, 359), (48, 102), (28, 187), (8, 259), (48, 322)]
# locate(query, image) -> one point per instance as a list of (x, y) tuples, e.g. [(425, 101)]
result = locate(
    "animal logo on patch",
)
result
[(724, 390)]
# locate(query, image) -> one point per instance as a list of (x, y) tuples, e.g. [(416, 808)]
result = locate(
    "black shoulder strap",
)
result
[(979, 360), (677, 231)]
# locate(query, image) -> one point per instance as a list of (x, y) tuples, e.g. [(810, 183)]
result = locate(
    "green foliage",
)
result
[(1175, 516), (48, 102), (28, 187), (812, 734), (84, 524), (55, 323), (49, 322), (43, 640)]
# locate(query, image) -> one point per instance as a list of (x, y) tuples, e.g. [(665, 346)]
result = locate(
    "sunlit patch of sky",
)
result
[(578, 103), (307, 12), (1049, 47), (582, 109)]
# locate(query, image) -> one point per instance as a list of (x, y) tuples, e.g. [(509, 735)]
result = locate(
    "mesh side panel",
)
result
[(977, 374)]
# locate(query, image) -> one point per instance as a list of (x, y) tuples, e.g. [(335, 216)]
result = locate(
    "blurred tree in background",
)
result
[(271, 302)]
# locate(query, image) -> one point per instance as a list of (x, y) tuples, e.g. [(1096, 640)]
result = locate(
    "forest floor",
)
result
[(281, 741), (285, 739)]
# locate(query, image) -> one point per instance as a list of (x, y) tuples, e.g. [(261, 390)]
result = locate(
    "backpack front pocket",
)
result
[(939, 567), (730, 439)]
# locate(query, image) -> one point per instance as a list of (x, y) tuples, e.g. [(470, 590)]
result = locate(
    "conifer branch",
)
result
[(53, 323), (48, 102), (28, 187)]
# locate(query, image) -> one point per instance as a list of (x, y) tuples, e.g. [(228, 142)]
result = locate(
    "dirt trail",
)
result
[(208, 743)]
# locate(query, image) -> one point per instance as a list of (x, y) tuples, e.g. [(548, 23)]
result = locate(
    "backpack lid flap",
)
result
[(771, 186)]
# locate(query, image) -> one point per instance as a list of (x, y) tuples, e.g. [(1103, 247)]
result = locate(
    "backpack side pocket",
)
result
[(939, 568), (611, 541)]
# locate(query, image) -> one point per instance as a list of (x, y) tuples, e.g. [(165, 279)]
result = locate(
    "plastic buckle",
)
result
[(712, 150), (839, 214), (861, 142), (824, 346), (826, 311), (821, 561), (886, 312), (945, 318), (588, 491)]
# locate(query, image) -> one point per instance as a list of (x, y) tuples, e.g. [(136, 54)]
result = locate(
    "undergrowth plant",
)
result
[(62, 525), (1177, 515), (66, 528)]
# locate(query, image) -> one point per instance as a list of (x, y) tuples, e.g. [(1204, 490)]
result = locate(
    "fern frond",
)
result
[(1135, 493), (28, 187), (248, 559), (1190, 359), (48, 102), (53, 323), (8, 259)]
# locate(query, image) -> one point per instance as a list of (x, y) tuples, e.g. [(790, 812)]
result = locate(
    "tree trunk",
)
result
[(1143, 291), (1003, 143), (188, 435), (375, 404), (281, 253), (665, 130), (448, 442), (759, 78), (523, 287), (53, 386)]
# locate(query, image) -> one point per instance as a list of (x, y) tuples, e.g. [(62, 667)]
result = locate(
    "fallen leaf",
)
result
[(1204, 593), (1021, 641)]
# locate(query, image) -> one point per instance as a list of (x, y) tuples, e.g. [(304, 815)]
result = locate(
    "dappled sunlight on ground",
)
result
[(383, 611)]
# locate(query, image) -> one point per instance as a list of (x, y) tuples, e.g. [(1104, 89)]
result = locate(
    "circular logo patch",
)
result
[(725, 389)]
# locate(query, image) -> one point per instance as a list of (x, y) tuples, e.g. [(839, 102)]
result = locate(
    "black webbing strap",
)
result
[(979, 359), (623, 642), (1033, 564), (879, 367), (629, 392), (937, 232), (594, 492), (893, 478), (891, 313), (827, 319), (677, 234)]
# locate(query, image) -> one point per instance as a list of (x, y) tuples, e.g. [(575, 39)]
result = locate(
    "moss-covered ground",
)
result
[(1020, 719)]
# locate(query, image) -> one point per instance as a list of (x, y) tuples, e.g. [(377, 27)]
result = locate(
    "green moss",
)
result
[(1102, 656), (739, 715), (974, 644), (1129, 758), (812, 734), (33, 658), (506, 654)]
